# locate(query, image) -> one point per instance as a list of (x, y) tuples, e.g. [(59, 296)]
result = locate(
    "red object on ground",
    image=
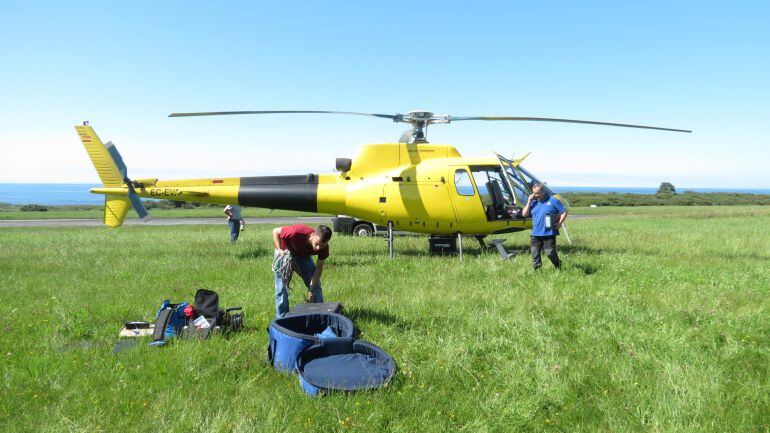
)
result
[(189, 311)]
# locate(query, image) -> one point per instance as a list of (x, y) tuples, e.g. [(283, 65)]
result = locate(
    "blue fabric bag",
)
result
[(343, 364), (177, 321), (290, 335)]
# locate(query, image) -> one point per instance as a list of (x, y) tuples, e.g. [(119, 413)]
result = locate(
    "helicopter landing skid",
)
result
[(505, 254)]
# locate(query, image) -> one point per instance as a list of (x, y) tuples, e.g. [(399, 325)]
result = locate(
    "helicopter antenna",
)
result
[(419, 120)]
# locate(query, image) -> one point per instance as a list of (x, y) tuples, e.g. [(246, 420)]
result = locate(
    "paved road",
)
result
[(184, 221), (162, 222)]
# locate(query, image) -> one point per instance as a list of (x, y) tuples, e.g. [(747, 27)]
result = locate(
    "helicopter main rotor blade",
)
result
[(227, 113), (551, 119)]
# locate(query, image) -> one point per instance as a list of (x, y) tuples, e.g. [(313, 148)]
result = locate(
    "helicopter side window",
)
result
[(463, 183), (481, 178), (490, 174)]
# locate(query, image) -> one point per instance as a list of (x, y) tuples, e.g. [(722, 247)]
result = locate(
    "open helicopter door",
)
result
[(521, 181), (516, 181)]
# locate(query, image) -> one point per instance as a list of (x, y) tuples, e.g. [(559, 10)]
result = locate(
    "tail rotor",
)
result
[(114, 175), (136, 202)]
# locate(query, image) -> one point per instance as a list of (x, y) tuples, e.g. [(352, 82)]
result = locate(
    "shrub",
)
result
[(666, 187), (687, 198), (171, 204), (33, 208)]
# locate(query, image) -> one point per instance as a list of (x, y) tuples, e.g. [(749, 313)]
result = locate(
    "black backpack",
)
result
[(207, 305)]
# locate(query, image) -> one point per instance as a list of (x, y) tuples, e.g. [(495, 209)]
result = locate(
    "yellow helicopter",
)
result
[(411, 185)]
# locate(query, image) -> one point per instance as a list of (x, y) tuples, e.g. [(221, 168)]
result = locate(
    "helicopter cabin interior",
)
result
[(502, 194)]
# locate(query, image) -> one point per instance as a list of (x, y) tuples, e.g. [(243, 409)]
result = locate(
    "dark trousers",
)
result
[(547, 243), (235, 229)]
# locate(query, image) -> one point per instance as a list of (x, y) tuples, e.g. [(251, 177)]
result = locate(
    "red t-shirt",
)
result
[(295, 239)]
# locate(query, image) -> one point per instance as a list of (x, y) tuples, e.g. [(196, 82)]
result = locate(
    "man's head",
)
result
[(319, 239), (538, 190)]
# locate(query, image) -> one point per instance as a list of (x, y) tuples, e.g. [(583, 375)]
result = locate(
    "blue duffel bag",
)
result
[(290, 335)]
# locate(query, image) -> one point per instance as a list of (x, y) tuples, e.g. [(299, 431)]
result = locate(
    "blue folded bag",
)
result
[(343, 364)]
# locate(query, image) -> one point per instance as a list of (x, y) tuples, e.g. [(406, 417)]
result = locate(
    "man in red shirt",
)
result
[(302, 242)]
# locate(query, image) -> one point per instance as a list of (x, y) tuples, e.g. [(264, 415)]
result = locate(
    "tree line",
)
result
[(687, 198)]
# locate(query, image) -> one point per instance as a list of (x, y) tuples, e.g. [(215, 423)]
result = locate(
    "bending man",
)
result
[(548, 214), (302, 242), (235, 220)]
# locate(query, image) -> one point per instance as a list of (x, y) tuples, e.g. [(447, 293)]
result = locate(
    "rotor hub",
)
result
[(419, 121)]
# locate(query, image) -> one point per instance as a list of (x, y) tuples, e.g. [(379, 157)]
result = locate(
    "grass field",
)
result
[(658, 322), (91, 212)]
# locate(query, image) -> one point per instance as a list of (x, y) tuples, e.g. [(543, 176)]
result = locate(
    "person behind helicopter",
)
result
[(235, 221)]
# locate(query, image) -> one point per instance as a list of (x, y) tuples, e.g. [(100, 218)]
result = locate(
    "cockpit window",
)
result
[(463, 183), (483, 175)]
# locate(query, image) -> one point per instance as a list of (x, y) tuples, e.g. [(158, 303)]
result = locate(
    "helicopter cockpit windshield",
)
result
[(521, 180), (531, 180)]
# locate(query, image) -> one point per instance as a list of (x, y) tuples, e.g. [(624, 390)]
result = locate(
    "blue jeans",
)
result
[(235, 229), (307, 269)]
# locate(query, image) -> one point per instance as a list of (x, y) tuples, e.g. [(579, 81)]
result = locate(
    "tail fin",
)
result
[(115, 209), (105, 166), (112, 171)]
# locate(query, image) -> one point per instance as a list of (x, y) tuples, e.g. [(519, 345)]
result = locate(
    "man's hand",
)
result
[(525, 212), (281, 252), (562, 217)]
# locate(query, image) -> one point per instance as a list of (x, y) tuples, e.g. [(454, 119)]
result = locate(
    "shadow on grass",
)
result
[(585, 268), (571, 249), (255, 253), (472, 252), (370, 314)]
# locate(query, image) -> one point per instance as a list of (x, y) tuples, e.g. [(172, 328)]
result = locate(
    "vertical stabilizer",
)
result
[(105, 165), (113, 174), (115, 209)]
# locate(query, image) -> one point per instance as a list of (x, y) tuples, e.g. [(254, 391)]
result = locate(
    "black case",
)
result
[(320, 307)]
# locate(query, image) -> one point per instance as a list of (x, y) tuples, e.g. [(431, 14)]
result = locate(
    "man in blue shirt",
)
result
[(548, 214)]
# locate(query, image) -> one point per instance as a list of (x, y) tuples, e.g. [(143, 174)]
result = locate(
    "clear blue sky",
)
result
[(126, 65)]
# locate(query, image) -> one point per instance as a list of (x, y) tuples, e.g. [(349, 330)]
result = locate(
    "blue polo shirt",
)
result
[(538, 210)]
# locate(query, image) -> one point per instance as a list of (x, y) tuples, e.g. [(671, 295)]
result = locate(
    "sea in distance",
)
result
[(77, 193)]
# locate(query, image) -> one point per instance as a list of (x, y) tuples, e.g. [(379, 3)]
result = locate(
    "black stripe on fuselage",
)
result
[(280, 192)]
